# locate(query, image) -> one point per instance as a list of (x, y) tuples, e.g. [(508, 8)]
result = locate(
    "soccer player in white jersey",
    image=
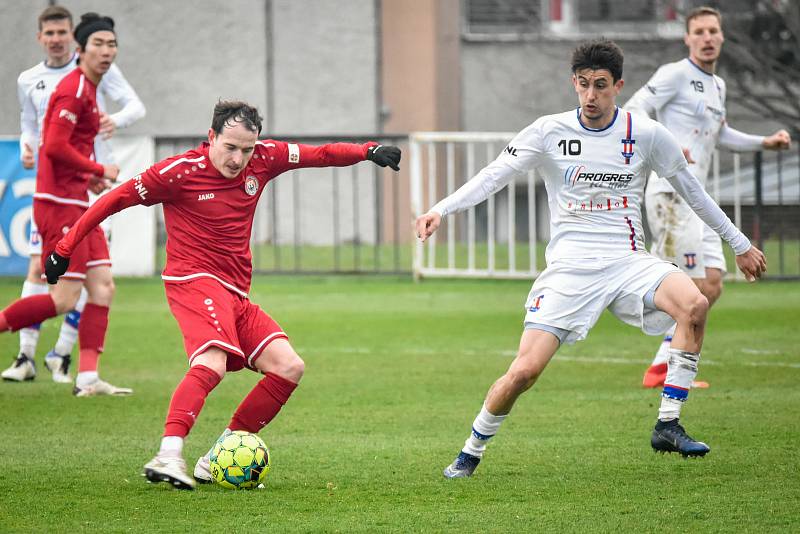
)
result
[(595, 161), (34, 87), (689, 99)]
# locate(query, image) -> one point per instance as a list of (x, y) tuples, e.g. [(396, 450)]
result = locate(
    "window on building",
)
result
[(502, 17)]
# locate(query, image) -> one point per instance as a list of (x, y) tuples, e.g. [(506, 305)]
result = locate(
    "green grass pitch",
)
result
[(396, 372)]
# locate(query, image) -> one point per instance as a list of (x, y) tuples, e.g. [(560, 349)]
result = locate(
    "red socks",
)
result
[(262, 404), (27, 311), (91, 335), (188, 399)]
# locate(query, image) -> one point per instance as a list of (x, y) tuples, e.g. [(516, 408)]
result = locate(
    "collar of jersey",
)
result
[(597, 130), (67, 64), (695, 65)]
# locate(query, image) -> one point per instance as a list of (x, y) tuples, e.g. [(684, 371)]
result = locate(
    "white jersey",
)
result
[(595, 182), (690, 102), (35, 85)]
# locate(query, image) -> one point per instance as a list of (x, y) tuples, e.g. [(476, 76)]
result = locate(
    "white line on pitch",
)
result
[(557, 357)]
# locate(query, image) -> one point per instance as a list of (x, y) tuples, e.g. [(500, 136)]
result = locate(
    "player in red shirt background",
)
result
[(209, 195), (66, 171)]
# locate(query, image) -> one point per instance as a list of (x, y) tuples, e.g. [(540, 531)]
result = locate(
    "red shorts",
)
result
[(55, 220), (209, 315)]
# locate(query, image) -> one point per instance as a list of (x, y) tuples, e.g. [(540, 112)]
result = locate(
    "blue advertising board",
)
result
[(16, 209)]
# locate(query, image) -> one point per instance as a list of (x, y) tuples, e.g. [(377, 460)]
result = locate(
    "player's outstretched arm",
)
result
[(752, 263), (780, 140), (116, 200), (385, 156), (749, 259), (427, 224)]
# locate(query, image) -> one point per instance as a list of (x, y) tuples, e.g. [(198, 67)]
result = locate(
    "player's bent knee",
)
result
[(280, 358), (214, 358), (101, 292), (697, 309)]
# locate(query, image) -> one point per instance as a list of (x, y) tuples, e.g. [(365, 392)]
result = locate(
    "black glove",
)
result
[(385, 156), (55, 266)]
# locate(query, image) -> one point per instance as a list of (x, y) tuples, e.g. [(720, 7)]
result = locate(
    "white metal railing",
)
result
[(435, 154), (447, 154)]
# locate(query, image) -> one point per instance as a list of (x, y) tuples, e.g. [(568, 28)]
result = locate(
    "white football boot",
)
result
[(169, 469), (22, 369), (202, 470), (59, 366), (100, 387)]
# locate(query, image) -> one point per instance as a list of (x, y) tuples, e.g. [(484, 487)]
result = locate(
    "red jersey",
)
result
[(65, 158), (208, 217)]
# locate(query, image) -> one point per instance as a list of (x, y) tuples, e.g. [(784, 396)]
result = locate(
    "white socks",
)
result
[(29, 337), (68, 335), (483, 428), (662, 356), (171, 446), (85, 378), (680, 374)]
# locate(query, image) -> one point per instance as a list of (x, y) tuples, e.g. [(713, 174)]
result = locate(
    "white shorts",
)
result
[(34, 241), (571, 294), (680, 237)]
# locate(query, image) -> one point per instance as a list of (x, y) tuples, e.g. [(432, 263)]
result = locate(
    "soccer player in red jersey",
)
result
[(210, 196), (66, 171)]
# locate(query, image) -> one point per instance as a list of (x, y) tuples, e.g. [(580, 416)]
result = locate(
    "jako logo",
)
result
[(205, 196)]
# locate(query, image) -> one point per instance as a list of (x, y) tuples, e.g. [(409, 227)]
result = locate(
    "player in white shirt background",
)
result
[(34, 87), (595, 161), (689, 99)]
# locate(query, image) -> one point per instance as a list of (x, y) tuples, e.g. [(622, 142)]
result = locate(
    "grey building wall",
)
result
[(508, 85), (183, 55)]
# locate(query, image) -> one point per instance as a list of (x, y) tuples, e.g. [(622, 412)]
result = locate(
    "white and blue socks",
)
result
[(68, 335), (682, 368), (484, 428)]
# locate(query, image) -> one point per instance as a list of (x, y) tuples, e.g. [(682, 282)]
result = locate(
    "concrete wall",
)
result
[(506, 86), (182, 56)]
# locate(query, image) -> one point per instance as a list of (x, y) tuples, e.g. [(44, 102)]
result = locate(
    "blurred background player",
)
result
[(65, 173), (596, 258), (689, 99), (210, 196), (34, 87)]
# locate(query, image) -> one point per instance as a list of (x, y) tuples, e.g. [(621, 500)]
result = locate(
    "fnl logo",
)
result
[(537, 303), (691, 263)]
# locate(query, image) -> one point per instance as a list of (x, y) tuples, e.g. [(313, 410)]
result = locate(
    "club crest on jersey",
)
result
[(628, 142), (691, 262), (251, 185), (537, 303)]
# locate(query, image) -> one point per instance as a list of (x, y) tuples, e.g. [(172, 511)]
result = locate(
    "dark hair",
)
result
[(54, 13), (596, 55), (701, 12), (229, 112), (90, 23)]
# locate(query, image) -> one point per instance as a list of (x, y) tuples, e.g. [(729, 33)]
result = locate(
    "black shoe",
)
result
[(669, 436), (462, 466)]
